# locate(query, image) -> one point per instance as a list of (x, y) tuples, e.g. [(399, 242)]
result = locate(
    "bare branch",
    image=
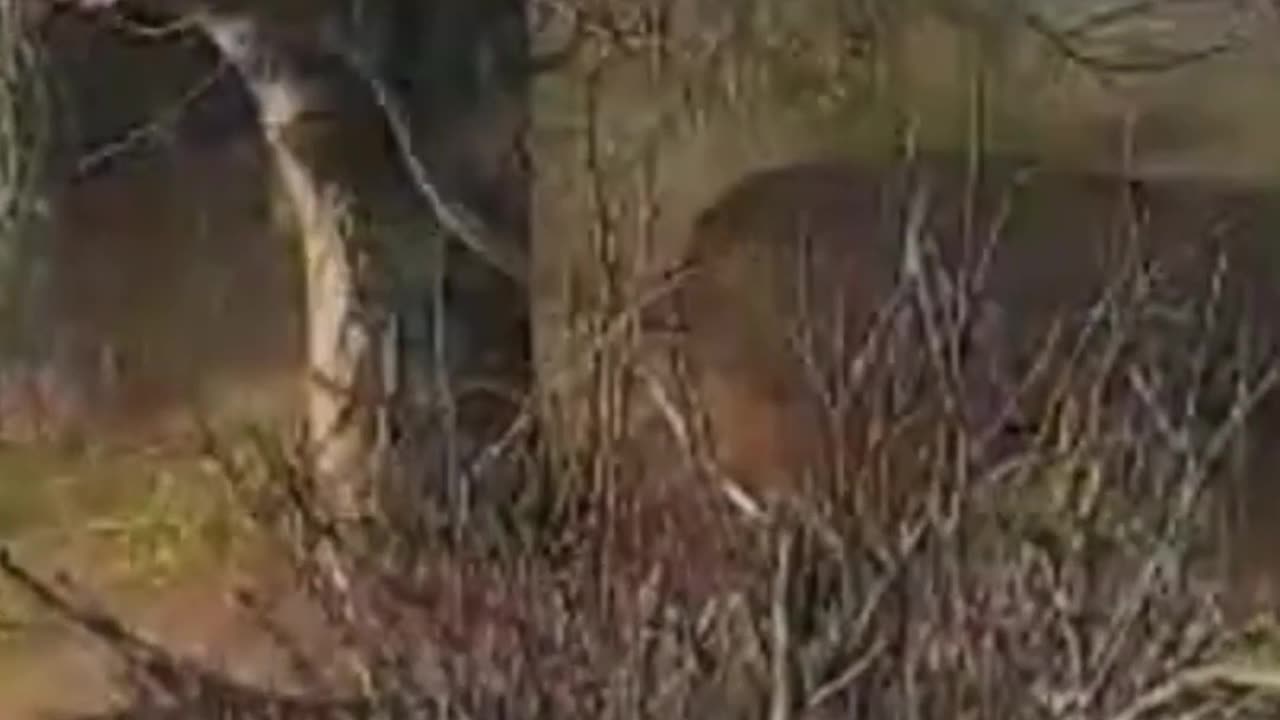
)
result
[(156, 125), (1066, 41)]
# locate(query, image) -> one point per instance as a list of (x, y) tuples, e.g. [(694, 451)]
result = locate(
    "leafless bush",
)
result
[(24, 128), (22, 107), (1064, 570), (1045, 552)]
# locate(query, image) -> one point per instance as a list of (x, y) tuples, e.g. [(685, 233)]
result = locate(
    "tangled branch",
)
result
[(23, 115)]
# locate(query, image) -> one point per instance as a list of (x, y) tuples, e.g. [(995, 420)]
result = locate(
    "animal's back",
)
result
[(799, 259), (781, 253)]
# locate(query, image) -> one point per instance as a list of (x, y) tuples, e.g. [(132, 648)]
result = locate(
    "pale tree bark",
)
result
[(362, 201), (340, 100), (316, 119)]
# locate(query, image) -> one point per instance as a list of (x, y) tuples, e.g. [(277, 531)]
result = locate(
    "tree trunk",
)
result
[(365, 225)]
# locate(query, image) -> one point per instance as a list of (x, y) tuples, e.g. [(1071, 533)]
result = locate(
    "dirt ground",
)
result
[(143, 536), (50, 670)]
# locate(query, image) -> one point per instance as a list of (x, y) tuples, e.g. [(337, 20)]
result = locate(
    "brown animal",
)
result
[(169, 287), (819, 246)]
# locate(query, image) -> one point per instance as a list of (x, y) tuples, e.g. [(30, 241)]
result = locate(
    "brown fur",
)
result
[(1063, 231), (170, 285)]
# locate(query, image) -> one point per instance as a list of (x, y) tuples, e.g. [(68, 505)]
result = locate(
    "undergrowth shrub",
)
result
[(1059, 558)]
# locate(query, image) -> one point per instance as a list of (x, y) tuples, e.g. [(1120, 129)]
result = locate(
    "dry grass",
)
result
[(946, 569), (1067, 571)]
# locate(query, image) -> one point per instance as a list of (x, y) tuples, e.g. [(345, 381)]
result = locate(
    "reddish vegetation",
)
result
[(822, 242)]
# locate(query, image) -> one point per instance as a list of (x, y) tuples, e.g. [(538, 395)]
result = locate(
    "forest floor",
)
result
[(152, 536)]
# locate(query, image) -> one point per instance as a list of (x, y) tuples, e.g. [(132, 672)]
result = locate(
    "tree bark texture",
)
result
[(379, 329)]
